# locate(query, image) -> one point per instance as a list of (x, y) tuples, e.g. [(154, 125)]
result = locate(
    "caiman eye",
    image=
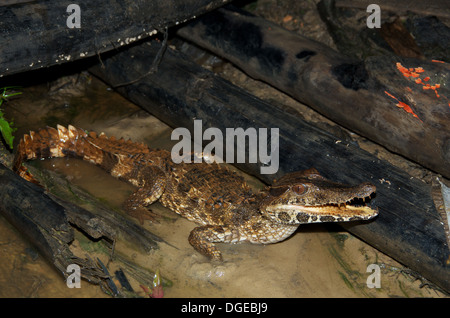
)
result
[(299, 188), (277, 191)]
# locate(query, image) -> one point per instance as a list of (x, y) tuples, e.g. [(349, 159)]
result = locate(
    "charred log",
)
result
[(408, 227), (371, 97), (43, 33)]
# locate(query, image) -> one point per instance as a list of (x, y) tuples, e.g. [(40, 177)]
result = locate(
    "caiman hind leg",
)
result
[(147, 193), (202, 238)]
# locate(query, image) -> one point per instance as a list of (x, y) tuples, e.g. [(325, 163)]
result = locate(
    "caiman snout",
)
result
[(365, 190)]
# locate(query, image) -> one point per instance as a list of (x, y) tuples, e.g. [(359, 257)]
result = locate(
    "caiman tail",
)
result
[(61, 142), (123, 159)]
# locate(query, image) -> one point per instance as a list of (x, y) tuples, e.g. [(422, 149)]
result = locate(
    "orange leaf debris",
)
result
[(287, 18), (403, 105), (414, 72)]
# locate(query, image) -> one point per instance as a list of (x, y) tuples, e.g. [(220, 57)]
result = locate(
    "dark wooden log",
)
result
[(35, 34), (408, 227), (100, 221), (47, 222), (42, 221), (414, 33), (439, 8), (363, 96)]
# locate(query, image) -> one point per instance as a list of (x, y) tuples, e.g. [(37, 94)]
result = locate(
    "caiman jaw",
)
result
[(310, 198), (297, 214)]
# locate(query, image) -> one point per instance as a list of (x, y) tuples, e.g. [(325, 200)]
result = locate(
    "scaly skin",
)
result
[(219, 200)]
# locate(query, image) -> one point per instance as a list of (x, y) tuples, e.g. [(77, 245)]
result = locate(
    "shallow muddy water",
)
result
[(317, 261)]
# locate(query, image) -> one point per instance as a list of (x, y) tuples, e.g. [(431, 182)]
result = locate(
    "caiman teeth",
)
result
[(338, 209), (329, 209), (352, 201)]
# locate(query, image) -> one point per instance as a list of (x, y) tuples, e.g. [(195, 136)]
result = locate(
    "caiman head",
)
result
[(307, 197)]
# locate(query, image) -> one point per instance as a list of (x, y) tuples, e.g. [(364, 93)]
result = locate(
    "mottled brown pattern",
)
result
[(211, 195)]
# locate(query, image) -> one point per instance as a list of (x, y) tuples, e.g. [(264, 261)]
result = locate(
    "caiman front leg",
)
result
[(148, 192), (202, 238)]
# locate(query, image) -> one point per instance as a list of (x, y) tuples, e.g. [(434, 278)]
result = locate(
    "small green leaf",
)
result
[(6, 128), (7, 131)]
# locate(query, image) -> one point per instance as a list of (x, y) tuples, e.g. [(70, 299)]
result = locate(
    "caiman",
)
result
[(210, 194)]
